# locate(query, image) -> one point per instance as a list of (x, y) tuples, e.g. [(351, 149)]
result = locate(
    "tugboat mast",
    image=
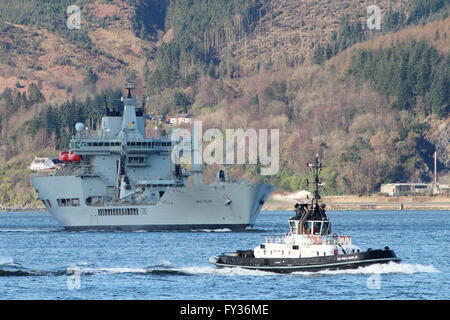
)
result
[(317, 168)]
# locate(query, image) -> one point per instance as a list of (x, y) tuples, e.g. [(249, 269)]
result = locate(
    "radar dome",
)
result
[(79, 127)]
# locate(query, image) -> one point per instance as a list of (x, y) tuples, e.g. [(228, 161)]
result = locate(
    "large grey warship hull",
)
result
[(185, 208), (118, 179)]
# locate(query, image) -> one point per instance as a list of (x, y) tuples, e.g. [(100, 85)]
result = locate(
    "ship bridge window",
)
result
[(74, 202), (308, 226), (325, 228), (137, 160), (94, 201), (293, 227), (316, 229)]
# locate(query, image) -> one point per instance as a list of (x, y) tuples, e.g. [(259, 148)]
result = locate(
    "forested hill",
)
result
[(373, 102)]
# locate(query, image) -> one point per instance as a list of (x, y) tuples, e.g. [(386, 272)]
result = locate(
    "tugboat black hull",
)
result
[(246, 260)]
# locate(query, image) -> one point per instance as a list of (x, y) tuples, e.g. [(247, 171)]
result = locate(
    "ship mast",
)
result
[(317, 168)]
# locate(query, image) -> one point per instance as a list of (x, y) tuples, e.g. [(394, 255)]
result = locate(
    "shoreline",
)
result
[(332, 202), (363, 206), (367, 203), (26, 208)]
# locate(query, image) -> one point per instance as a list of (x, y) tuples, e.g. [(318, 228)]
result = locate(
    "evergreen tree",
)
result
[(34, 94), (405, 72), (91, 77)]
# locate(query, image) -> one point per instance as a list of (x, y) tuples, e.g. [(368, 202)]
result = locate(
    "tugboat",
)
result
[(308, 246)]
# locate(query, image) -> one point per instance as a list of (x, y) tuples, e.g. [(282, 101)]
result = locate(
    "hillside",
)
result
[(300, 66), (58, 58)]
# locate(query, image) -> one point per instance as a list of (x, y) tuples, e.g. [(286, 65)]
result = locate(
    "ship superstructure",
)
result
[(118, 178)]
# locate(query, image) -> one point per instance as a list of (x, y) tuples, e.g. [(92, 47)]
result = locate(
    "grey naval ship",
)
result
[(117, 178)]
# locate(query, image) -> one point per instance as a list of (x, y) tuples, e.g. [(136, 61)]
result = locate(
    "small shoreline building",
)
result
[(180, 119), (45, 164), (412, 189)]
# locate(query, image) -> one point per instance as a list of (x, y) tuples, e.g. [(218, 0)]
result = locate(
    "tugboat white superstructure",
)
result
[(118, 179), (309, 245)]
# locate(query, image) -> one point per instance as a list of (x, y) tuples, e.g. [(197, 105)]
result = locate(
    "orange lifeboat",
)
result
[(72, 157), (64, 156)]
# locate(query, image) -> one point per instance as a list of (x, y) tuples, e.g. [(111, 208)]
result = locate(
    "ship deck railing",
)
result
[(327, 240), (39, 174), (79, 170), (275, 239), (90, 134), (314, 239)]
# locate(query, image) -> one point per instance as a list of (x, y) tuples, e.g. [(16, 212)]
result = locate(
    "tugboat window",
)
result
[(317, 226), (325, 227), (308, 227)]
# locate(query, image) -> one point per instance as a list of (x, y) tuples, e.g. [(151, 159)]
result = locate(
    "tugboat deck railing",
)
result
[(275, 239), (312, 239), (329, 240)]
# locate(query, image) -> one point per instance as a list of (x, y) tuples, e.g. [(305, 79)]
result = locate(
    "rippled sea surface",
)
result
[(39, 260)]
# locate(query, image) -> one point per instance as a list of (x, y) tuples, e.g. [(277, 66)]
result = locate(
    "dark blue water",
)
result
[(38, 260)]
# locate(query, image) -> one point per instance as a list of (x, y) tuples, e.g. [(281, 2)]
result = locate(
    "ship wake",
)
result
[(388, 268), (10, 268)]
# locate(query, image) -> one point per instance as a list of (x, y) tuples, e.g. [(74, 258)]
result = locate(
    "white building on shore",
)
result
[(411, 189), (180, 118), (44, 164)]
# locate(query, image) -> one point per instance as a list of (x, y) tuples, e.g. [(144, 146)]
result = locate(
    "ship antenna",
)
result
[(317, 167), (105, 100), (129, 86)]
